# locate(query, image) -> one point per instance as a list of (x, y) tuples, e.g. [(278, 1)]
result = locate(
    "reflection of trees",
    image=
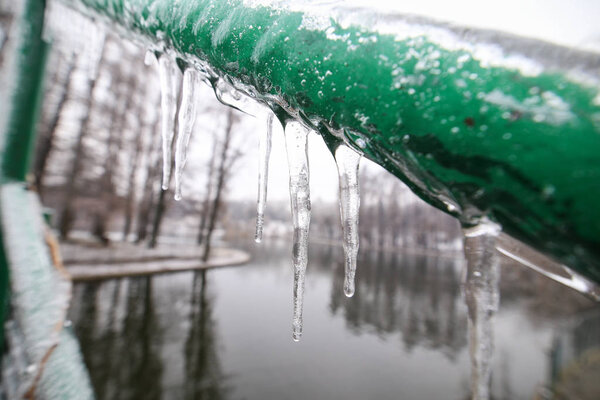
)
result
[(121, 351), (418, 296), (203, 376), (574, 360)]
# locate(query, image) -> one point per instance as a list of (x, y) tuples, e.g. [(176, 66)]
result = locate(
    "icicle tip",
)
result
[(296, 335), (349, 289)]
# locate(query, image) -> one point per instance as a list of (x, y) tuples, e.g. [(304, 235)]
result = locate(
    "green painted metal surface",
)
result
[(42, 359), (40, 299), (22, 98), (476, 123)]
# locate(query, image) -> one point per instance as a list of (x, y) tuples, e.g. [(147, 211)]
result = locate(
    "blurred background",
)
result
[(224, 333)]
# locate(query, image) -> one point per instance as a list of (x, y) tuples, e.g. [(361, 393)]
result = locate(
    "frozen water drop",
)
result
[(264, 149), (296, 139), (169, 76), (347, 161), (187, 118)]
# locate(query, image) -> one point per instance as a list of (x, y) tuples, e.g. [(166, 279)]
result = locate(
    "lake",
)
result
[(226, 333)]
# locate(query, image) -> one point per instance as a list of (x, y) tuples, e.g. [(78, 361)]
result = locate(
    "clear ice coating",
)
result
[(347, 161), (296, 140), (187, 117), (264, 153), (482, 298), (230, 96), (169, 83)]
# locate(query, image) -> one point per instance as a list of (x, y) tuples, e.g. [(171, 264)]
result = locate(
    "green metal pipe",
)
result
[(23, 72), (477, 123), (22, 98)]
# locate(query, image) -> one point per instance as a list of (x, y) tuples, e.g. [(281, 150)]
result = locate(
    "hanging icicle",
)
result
[(187, 118), (296, 138), (347, 161), (482, 298), (264, 153), (169, 83)]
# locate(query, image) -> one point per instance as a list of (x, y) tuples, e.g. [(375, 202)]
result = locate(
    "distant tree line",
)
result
[(98, 155)]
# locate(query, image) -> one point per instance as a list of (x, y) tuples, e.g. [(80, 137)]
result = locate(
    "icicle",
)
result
[(187, 117), (347, 161), (296, 139), (482, 298), (264, 152), (169, 83)]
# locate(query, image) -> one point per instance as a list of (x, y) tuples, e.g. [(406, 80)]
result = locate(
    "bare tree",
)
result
[(46, 138), (113, 146), (152, 175), (133, 169), (67, 213), (225, 163), (206, 203)]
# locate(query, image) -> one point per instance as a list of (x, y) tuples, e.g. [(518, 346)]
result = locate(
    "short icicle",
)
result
[(296, 138), (187, 117), (169, 83), (482, 298), (264, 153), (348, 161)]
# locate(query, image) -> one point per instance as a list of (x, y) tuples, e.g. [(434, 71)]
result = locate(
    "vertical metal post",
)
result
[(21, 100)]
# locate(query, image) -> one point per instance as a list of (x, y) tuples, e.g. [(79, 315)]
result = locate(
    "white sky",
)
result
[(572, 23)]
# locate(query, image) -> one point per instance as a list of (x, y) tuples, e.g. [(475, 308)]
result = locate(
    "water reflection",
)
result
[(123, 350), (203, 376), (225, 334), (575, 360), (418, 296)]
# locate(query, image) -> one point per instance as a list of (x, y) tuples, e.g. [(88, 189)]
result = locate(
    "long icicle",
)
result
[(264, 153), (482, 298), (187, 117), (168, 73), (296, 140), (348, 161)]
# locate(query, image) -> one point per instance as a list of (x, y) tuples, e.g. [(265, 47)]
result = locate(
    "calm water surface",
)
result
[(226, 334)]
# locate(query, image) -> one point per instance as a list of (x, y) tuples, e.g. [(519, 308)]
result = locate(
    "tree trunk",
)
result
[(158, 216), (67, 215), (113, 145), (206, 204), (220, 184), (46, 140), (132, 173), (152, 167)]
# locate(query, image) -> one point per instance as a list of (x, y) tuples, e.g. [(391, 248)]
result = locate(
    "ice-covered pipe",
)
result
[(477, 123)]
